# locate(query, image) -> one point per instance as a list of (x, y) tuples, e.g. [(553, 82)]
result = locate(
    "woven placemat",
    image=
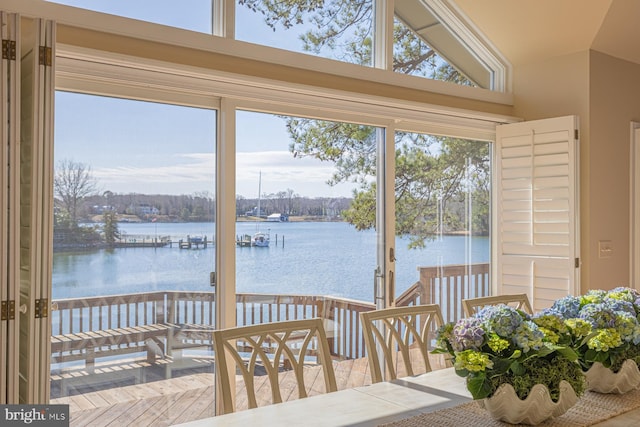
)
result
[(591, 408)]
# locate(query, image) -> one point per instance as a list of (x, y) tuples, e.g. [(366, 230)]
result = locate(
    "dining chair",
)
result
[(273, 360), (518, 301), (401, 337)]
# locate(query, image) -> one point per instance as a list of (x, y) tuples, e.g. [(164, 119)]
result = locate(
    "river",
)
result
[(324, 258)]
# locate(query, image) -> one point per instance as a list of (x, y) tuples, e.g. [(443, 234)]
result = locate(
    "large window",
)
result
[(355, 191), (427, 39), (196, 17), (335, 29)]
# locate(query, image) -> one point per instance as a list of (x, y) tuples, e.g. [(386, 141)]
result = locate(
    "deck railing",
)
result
[(446, 286)]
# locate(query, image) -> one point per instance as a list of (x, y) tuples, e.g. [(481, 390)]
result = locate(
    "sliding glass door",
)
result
[(443, 188), (305, 225), (133, 256)]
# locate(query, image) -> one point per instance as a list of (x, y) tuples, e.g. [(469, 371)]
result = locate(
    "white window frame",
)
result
[(91, 20)]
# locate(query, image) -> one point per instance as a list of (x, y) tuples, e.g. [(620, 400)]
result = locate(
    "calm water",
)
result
[(324, 258)]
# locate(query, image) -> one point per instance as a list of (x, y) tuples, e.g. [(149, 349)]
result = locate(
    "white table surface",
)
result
[(362, 406)]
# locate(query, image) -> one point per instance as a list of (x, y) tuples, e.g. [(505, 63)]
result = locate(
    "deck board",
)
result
[(170, 401)]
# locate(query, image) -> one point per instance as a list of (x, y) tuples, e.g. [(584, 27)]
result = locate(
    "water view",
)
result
[(310, 258)]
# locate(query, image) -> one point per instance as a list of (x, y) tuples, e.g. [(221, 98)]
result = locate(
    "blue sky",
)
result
[(141, 147)]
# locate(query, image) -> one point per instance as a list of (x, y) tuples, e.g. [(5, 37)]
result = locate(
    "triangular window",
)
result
[(435, 32)]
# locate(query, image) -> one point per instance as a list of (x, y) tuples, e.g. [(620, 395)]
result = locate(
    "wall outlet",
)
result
[(605, 249)]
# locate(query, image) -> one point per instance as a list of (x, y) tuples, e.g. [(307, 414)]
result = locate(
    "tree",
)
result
[(342, 29), (431, 172), (110, 227), (72, 182)]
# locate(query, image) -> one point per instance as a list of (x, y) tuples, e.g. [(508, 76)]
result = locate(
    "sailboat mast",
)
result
[(259, 192)]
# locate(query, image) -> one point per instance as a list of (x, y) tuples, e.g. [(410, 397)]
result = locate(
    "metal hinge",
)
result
[(8, 310), (9, 50), (45, 56), (41, 308), (577, 264), (575, 134)]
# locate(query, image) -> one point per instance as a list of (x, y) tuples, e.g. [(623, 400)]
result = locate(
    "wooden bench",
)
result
[(90, 345), (156, 323)]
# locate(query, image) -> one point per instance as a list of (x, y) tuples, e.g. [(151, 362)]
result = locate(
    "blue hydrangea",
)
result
[(528, 336), (600, 315), (620, 305), (594, 296), (501, 319), (568, 307)]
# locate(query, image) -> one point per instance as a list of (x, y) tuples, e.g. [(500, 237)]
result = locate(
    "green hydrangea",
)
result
[(497, 344), (472, 361), (550, 335), (605, 339), (578, 327)]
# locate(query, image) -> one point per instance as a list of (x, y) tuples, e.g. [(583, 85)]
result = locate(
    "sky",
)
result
[(150, 148)]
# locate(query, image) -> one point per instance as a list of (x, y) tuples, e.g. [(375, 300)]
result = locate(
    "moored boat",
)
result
[(260, 239)]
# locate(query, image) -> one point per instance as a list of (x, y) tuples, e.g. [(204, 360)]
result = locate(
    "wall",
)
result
[(614, 102), (560, 87), (603, 92)]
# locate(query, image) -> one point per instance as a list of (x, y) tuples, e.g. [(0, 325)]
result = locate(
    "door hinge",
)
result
[(9, 50), (575, 134), (577, 262), (45, 56), (41, 308), (8, 310)]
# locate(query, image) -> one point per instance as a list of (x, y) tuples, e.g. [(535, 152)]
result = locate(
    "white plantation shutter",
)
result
[(537, 209), (9, 200)]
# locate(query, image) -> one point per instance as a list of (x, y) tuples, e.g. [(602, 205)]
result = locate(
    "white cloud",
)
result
[(194, 172)]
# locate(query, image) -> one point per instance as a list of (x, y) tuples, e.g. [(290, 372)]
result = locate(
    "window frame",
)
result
[(224, 25)]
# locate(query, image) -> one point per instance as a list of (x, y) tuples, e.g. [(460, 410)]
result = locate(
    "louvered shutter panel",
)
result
[(537, 209)]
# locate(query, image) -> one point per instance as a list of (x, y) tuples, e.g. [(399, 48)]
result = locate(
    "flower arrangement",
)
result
[(502, 345), (602, 326)]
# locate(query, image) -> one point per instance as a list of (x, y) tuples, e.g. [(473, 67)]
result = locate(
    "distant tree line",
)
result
[(291, 204)]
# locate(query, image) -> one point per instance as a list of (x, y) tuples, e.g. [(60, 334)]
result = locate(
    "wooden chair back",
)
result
[(518, 301), (400, 336), (275, 355)]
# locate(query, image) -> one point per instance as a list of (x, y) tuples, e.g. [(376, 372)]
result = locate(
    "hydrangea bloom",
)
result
[(605, 340), (472, 361), (594, 296), (468, 334), (600, 315), (501, 319), (567, 307), (578, 327), (528, 336), (497, 344)]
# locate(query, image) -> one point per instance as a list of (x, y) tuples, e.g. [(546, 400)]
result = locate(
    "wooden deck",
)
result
[(165, 402), (177, 400)]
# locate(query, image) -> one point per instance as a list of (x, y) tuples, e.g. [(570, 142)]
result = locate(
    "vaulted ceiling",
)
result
[(527, 31)]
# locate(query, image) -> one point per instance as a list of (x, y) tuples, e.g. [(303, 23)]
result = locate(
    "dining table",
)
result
[(437, 398)]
